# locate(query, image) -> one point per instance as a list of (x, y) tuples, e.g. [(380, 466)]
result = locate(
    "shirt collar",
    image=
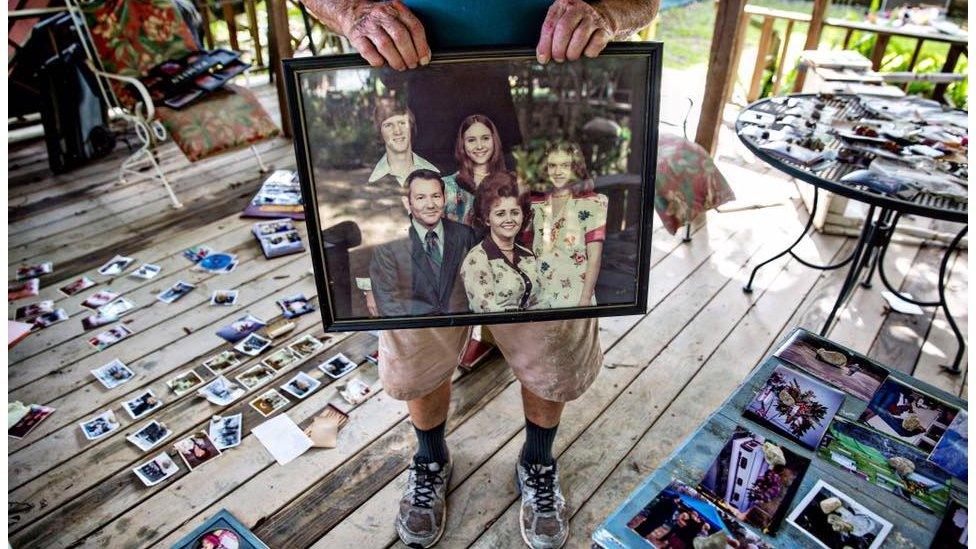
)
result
[(382, 168), (492, 251)]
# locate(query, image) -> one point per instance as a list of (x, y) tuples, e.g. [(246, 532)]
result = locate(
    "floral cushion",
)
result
[(688, 183)]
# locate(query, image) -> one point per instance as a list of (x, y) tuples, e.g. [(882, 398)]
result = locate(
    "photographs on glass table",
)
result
[(142, 404), (76, 286), (301, 385), (909, 415), (953, 532), (196, 449), (755, 479), (221, 531), (895, 466), (225, 431), (150, 435), (795, 405), (221, 391), (832, 363), (113, 374), (156, 470), (951, 453), (832, 519), (100, 425)]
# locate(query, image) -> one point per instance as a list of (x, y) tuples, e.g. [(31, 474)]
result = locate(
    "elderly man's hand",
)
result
[(384, 33), (573, 28)]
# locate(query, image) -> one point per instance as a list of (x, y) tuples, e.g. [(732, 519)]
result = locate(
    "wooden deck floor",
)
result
[(664, 371)]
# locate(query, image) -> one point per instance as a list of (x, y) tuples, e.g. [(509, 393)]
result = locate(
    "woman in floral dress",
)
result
[(478, 151), (569, 222)]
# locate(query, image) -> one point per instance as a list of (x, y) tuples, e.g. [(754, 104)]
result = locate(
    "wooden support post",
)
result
[(952, 58), (228, 10), (813, 37), (204, 7), (847, 38), (765, 39), (914, 59), (877, 53), (718, 79), (255, 31), (740, 38), (279, 46), (777, 80)]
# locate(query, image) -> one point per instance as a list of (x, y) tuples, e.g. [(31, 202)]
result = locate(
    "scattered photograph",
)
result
[(356, 391), (795, 405), (34, 416), (909, 415), (241, 328), (142, 404), (374, 357), (221, 362), (149, 436), (175, 292), (337, 366), (115, 266), (78, 285), (146, 271), (91, 322), (306, 345), (301, 385), (34, 271), (951, 453), (110, 337), (832, 363), (196, 449), (269, 402), (28, 313), (679, 514), (225, 431), (100, 425), (221, 391), (116, 308), (20, 290), (281, 358), (222, 531), (48, 319), (883, 461), (219, 262), (224, 297), (196, 253), (113, 374), (296, 305), (754, 479), (253, 345), (832, 519), (185, 382), (259, 374), (953, 533), (156, 470), (99, 298)]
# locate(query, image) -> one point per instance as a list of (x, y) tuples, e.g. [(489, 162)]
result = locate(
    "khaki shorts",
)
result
[(556, 360)]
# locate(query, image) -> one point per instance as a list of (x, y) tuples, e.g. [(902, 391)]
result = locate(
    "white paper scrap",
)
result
[(283, 439), (900, 305)]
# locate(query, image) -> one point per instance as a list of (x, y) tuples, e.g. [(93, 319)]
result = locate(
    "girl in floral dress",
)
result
[(478, 151), (569, 222)]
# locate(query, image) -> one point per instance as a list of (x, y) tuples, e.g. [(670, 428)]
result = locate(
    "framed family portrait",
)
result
[(483, 188)]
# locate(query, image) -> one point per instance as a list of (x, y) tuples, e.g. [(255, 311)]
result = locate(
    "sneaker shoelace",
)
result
[(542, 479), (425, 485)]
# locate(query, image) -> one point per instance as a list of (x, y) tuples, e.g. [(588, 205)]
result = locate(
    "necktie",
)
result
[(433, 252)]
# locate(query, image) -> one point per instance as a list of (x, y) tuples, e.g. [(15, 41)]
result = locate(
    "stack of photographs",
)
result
[(280, 196), (278, 238)]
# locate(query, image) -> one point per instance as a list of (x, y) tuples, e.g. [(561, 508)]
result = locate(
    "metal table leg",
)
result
[(862, 251)]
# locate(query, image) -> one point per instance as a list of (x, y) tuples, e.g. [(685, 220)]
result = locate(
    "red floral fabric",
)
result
[(688, 183)]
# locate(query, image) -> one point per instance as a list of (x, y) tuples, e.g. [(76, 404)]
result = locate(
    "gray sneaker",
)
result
[(542, 517), (423, 507)]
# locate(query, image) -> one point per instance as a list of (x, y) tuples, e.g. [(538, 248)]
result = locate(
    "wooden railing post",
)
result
[(720, 63), (877, 52), (765, 39), (279, 47), (254, 30), (813, 37), (228, 10), (952, 58), (777, 80)]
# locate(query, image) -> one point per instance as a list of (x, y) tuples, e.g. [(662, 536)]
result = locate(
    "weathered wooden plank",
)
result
[(940, 345)]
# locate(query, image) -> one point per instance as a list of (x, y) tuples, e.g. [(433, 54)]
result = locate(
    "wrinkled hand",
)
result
[(573, 28), (386, 33)]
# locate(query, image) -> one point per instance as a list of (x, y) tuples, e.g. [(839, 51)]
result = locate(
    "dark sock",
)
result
[(433, 446), (538, 444)]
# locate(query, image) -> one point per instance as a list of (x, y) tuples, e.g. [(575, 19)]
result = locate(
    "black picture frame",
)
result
[(335, 300)]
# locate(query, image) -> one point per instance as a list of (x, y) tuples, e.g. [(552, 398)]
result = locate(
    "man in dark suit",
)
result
[(419, 275)]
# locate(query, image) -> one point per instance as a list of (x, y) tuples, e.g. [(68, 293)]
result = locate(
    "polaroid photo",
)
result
[(110, 337), (832, 519), (175, 292), (99, 299), (301, 385), (749, 479), (78, 285), (832, 363), (221, 531), (116, 308), (280, 244), (184, 382), (356, 391), (224, 297), (795, 405), (156, 470), (296, 305), (100, 425), (253, 345), (269, 402), (306, 345), (27, 422), (256, 375), (91, 322), (218, 263), (225, 431), (28, 313), (115, 266), (149, 436), (196, 449), (197, 253), (951, 453), (241, 328), (953, 532), (20, 290), (281, 358), (337, 366), (142, 404), (221, 362), (909, 415), (34, 271), (895, 466), (48, 319), (221, 391), (146, 271), (113, 374)]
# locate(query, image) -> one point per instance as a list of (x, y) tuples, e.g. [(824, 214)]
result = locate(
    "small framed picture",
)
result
[(337, 366), (142, 404), (224, 297), (255, 376), (296, 305), (225, 431), (99, 298), (281, 358), (149, 436), (833, 519), (78, 285), (115, 266), (253, 345), (100, 425), (221, 391), (156, 470), (221, 531), (301, 385), (175, 292), (113, 374), (269, 402), (146, 271), (221, 362), (34, 271), (196, 449), (184, 382), (306, 345), (110, 337)]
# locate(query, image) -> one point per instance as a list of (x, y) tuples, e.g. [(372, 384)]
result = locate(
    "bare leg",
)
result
[(542, 412), (430, 410)]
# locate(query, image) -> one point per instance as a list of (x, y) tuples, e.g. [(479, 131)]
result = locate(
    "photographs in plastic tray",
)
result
[(883, 461), (951, 453), (833, 520), (749, 479), (909, 415), (953, 533), (832, 363), (796, 405), (221, 531), (678, 515)]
